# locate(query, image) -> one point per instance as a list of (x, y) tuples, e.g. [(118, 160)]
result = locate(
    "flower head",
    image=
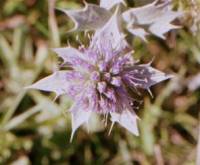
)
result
[(101, 78)]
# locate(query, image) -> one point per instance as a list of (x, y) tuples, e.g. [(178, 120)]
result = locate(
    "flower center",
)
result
[(95, 76)]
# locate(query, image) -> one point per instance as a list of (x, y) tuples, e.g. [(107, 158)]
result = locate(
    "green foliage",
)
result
[(36, 130)]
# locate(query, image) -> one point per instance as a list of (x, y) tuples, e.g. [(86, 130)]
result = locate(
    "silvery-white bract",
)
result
[(154, 18)]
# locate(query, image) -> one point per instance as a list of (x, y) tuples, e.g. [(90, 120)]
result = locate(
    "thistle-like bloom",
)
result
[(101, 78)]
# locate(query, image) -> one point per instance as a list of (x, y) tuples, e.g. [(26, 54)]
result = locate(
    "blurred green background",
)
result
[(36, 130)]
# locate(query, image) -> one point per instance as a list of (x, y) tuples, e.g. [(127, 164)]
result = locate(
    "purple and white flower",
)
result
[(101, 78)]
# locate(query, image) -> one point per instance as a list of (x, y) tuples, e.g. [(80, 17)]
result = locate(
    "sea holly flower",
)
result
[(102, 78), (154, 18)]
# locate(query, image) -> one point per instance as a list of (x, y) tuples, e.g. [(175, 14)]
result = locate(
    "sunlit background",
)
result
[(36, 130)]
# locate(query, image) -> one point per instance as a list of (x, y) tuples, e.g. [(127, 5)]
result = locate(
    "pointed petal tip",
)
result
[(65, 11), (111, 127), (75, 28), (170, 76), (59, 9), (150, 92), (78, 117), (135, 131), (27, 87), (30, 87), (86, 4), (124, 3), (127, 120), (72, 136), (137, 134)]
